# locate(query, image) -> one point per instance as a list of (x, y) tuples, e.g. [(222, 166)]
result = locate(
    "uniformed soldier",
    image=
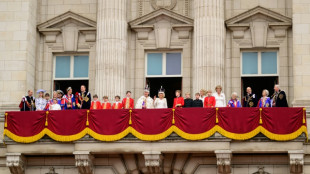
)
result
[(84, 99), (250, 99), (28, 102), (279, 97)]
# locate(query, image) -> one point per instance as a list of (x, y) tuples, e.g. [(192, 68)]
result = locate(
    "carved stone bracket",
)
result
[(142, 31), (153, 161), (238, 30), (279, 29), (296, 161), (223, 161), (50, 34), (184, 30), (90, 33), (16, 163), (84, 162)]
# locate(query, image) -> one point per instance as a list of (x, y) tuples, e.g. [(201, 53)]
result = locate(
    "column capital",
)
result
[(224, 161), (16, 163), (296, 161), (153, 161), (84, 161)]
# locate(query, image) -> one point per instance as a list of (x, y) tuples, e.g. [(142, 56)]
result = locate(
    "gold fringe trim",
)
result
[(200, 136), (217, 118), (66, 138), (87, 122), (284, 137), (260, 116), (108, 137), (20, 139), (236, 136), (304, 118), (6, 120), (173, 121), (46, 123), (147, 137), (130, 122)]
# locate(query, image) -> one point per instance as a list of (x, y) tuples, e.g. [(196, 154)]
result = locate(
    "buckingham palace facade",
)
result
[(114, 46)]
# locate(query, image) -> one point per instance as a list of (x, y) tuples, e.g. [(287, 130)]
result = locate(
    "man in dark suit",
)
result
[(279, 97)]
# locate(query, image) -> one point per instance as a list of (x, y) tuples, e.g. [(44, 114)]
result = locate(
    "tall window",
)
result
[(164, 64), (71, 71), (259, 64)]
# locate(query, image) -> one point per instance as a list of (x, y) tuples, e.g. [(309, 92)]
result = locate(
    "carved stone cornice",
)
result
[(16, 163), (223, 161), (84, 162), (153, 161), (296, 161)]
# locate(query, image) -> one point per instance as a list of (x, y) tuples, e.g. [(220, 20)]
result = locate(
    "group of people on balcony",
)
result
[(206, 99)]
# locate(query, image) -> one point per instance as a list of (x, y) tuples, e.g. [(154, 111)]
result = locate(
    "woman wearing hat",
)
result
[(161, 101), (40, 101)]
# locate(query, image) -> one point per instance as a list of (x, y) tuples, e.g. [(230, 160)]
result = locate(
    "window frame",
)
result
[(164, 64), (71, 67), (259, 63)]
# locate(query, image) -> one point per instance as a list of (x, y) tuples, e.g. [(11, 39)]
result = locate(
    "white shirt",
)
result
[(220, 100), (55, 107), (40, 104), (202, 98), (149, 102), (160, 103)]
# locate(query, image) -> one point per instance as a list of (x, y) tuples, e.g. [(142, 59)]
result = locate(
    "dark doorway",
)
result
[(74, 84), (170, 84), (258, 84)]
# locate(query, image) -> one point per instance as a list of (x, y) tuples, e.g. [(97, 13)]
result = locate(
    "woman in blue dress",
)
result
[(264, 101), (234, 102)]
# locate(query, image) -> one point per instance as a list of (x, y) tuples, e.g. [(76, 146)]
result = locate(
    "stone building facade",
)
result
[(120, 45)]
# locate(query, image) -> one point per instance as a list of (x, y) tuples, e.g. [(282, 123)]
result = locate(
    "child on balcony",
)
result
[(178, 101), (117, 104), (106, 104), (188, 101), (197, 103), (55, 105), (95, 104), (209, 101)]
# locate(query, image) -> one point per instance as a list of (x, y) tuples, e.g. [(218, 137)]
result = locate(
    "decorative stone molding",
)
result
[(223, 161), (16, 163), (90, 33), (52, 171), (184, 31), (279, 29), (143, 32), (84, 162), (238, 30), (296, 161), (153, 161), (169, 6), (261, 170), (50, 34)]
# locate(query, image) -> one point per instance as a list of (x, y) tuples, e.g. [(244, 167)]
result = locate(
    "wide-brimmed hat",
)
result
[(40, 90)]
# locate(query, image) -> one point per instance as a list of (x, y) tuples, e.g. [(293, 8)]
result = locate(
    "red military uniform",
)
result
[(128, 103), (106, 105), (95, 105), (117, 105), (209, 102), (178, 100)]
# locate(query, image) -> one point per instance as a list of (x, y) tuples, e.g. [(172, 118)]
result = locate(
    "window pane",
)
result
[(62, 68), (80, 66), (154, 63), (249, 63), (173, 64), (269, 63)]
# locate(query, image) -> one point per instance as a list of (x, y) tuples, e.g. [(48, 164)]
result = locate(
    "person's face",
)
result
[(95, 98), (276, 89), (47, 97), (128, 94), (160, 95), (105, 100), (187, 96), (41, 94), (70, 92), (177, 94), (55, 101), (197, 96), (249, 90), (59, 95), (83, 88), (30, 93), (146, 94), (55, 95), (116, 99), (218, 90), (201, 93), (209, 94), (234, 97), (264, 93)]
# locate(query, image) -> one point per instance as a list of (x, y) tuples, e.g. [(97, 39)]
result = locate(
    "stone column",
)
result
[(111, 48), (209, 38), (301, 52)]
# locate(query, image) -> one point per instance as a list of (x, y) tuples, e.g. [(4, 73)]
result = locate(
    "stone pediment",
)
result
[(162, 21), (68, 27), (66, 18), (159, 14), (256, 14)]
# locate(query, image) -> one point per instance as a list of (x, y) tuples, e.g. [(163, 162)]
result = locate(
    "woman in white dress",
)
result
[(161, 101), (40, 102), (219, 97)]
